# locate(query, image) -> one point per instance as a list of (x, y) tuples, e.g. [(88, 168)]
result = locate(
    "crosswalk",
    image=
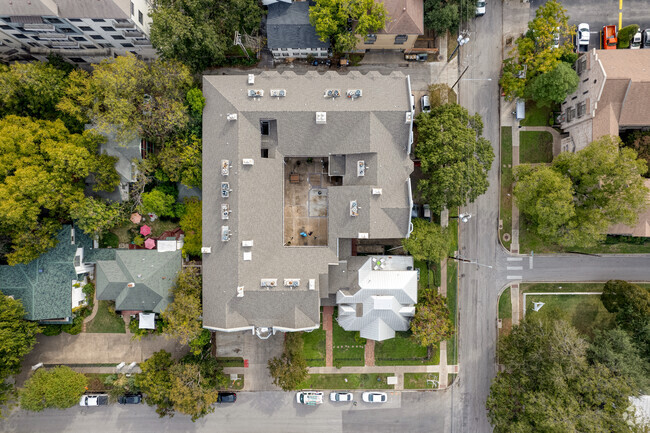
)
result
[(516, 264)]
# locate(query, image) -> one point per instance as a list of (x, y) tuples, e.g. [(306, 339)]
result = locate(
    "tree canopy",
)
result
[(428, 242), (573, 202), (181, 160), (42, 171), (199, 32), (182, 315), (454, 156), (341, 22), (630, 303), (431, 323), (443, 15), (191, 223), (553, 87), (60, 388), (549, 385), (291, 367), (93, 216)]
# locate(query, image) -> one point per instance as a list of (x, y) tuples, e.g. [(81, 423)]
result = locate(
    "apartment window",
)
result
[(98, 20), (582, 108), (127, 45), (570, 114), (283, 49), (400, 39), (6, 27), (585, 92), (140, 17), (52, 20), (265, 153), (86, 28), (106, 45), (574, 98), (77, 60), (74, 20), (132, 9), (79, 38), (285, 54), (108, 29), (581, 65), (118, 37), (97, 37), (264, 127), (370, 39), (20, 36), (67, 30)]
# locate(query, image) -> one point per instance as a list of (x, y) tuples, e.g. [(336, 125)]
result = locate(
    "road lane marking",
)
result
[(514, 277), (530, 262), (514, 259), (515, 268)]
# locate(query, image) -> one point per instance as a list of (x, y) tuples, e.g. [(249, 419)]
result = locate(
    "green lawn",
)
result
[(419, 380), (230, 361), (530, 241), (348, 346), (424, 275), (535, 147), (401, 350), (452, 282), (586, 312), (507, 180), (354, 381), (236, 384), (450, 378), (314, 349), (560, 287), (505, 306), (105, 321), (536, 116)]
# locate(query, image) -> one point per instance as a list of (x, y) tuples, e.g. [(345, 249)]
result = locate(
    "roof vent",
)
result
[(354, 208), (354, 93), (251, 78), (321, 117), (312, 284), (225, 189), (225, 233), (231, 116), (130, 285), (240, 291), (225, 211), (376, 191), (332, 93), (206, 250), (225, 167), (248, 161), (361, 168), (247, 243), (278, 92), (363, 235), (255, 93), (248, 256)]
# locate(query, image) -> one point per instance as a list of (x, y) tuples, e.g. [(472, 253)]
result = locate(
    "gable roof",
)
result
[(287, 26), (44, 285), (405, 17), (151, 273)]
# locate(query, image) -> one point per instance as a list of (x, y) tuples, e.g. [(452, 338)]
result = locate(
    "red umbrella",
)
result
[(150, 244), (136, 218), (145, 230)]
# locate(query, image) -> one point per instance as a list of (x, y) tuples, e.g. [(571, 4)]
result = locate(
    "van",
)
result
[(520, 111)]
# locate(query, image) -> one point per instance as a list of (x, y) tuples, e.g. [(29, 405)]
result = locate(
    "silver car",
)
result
[(341, 396), (374, 397)]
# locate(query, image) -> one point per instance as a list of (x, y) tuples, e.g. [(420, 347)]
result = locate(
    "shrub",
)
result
[(626, 34), (51, 330), (75, 327), (138, 240), (195, 100), (109, 240)]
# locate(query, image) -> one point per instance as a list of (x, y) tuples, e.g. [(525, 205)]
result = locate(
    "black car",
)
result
[(130, 399), (645, 37), (227, 397)]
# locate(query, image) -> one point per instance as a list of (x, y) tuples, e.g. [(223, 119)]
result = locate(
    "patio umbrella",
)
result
[(136, 218), (145, 230), (150, 244)]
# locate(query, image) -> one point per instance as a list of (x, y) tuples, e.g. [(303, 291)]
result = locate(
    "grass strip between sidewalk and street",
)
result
[(507, 180), (347, 381), (419, 380), (505, 305)]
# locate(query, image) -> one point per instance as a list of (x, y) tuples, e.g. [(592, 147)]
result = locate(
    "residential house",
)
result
[(81, 31), (307, 165), (405, 23), (289, 33), (641, 229), (612, 96)]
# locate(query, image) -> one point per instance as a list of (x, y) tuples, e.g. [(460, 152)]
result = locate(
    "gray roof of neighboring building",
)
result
[(287, 26), (67, 8), (44, 285), (153, 274), (371, 127)]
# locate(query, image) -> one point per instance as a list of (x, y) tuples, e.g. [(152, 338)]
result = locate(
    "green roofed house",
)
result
[(138, 280)]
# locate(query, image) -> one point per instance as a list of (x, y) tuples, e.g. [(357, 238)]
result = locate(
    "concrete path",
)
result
[(514, 301), (369, 353), (329, 338), (442, 290)]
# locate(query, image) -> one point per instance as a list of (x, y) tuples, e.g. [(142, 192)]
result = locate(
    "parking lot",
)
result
[(599, 13)]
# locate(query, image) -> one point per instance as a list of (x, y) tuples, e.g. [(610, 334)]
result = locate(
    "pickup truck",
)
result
[(582, 38), (93, 400), (609, 38)]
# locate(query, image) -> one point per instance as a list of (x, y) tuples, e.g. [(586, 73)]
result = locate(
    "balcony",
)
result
[(123, 25), (141, 42), (132, 34), (39, 27), (53, 37)]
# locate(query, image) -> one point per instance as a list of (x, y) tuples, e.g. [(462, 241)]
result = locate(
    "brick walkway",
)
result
[(329, 339), (370, 353)]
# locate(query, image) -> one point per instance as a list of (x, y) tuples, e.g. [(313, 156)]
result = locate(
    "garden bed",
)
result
[(230, 361), (452, 286), (349, 347)]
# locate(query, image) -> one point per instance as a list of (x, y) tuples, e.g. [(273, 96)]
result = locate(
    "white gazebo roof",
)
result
[(147, 321)]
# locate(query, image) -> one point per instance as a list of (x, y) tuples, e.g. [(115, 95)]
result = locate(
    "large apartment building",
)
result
[(81, 31)]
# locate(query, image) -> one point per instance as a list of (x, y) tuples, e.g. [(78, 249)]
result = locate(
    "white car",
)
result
[(583, 38), (374, 397), (93, 400), (480, 8), (341, 396), (310, 398), (635, 43)]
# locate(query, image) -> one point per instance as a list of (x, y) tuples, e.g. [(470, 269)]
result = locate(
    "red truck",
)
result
[(609, 38)]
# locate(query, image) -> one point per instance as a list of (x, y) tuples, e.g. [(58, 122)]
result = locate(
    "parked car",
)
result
[(93, 400), (635, 43), (582, 38), (426, 212), (374, 397), (227, 397), (425, 105), (416, 211), (341, 396), (480, 8), (609, 38), (130, 399), (645, 36), (311, 398)]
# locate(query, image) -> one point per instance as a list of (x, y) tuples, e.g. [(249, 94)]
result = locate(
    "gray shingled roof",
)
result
[(371, 127), (45, 284), (287, 26), (152, 273)]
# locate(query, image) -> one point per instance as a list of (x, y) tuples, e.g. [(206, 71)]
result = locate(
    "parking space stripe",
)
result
[(514, 259), (514, 268)]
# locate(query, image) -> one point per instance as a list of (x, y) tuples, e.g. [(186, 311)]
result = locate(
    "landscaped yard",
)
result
[(535, 147), (314, 349), (354, 381), (452, 283), (349, 347), (419, 380), (401, 350), (157, 228), (507, 180), (536, 116), (105, 321)]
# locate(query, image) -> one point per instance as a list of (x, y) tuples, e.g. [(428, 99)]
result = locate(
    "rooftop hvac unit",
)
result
[(354, 93), (247, 243), (321, 117), (225, 233), (291, 282), (312, 284), (332, 93), (255, 93), (409, 117), (376, 191), (363, 235), (240, 291), (251, 78), (231, 116), (206, 250), (248, 161), (278, 92), (269, 282), (248, 256)]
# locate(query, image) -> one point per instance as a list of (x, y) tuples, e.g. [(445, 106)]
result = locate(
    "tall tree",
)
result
[(630, 303), (428, 242), (181, 160), (60, 388), (431, 323), (548, 385), (158, 202), (42, 172), (291, 367), (155, 382), (341, 22), (454, 157), (554, 86), (191, 392), (443, 15), (199, 32), (94, 216), (182, 315), (191, 223)]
